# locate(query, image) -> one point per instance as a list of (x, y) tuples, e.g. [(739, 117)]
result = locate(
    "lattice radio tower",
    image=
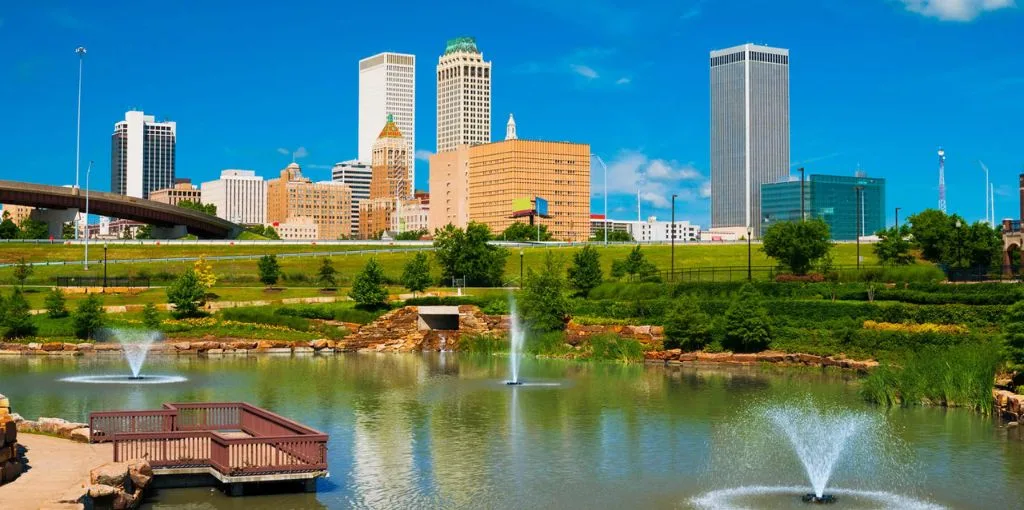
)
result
[(942, 180)]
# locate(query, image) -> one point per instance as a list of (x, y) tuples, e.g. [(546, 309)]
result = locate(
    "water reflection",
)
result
[(426, 430)]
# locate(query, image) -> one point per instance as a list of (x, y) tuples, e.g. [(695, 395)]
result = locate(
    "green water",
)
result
[(442, 431)]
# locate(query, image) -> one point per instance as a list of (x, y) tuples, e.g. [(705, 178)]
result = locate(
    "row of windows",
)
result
[(755, 56)]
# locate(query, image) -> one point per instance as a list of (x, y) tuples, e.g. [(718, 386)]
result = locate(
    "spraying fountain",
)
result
[(516, 339), (135, 346)]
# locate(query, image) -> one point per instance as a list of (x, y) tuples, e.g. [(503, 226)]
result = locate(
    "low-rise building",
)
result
[(302, 228), (328, 203), (239, 195), (17, 213), (850, 205)]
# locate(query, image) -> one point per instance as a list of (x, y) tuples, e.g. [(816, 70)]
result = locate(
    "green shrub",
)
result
[(89, 318), (609, 347), (17, 321), (482, 344), (187, 294), (368, 289), (747, 326), (151, 317), (686, 326), (1013, 329), (544, 306), (547, 344), (264, 315), (55, 304)]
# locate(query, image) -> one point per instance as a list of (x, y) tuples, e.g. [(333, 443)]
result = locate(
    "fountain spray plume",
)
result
[(135, 344), (516, 339), (819, 438)]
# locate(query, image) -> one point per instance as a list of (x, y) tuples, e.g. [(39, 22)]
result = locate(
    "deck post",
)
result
[(309, 485), (235, 489)]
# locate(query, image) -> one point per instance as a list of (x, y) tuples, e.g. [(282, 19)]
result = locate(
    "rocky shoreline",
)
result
[(678, 357)]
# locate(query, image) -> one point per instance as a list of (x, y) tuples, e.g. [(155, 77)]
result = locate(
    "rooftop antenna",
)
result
[(942, 180)]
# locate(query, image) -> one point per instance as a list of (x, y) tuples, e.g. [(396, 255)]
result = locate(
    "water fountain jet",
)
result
[(516, 339), (135, 346)]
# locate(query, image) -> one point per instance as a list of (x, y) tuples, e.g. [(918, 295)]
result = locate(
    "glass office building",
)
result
[(832, 198)]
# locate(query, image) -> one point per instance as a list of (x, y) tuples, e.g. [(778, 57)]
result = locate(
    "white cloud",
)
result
[(655, 179), (300, 153), (423, 154), (282, 150), (955, 10), (623, 81), (584, 71)]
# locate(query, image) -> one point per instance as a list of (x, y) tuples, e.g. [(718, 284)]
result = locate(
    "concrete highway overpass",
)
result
[(58, 204)]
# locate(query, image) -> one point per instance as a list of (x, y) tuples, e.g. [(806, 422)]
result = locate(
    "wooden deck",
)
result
[(234, 441)]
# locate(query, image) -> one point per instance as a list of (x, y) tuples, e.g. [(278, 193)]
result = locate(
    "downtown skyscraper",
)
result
[(463, 96), (142, 155), (749, 132), (387, 86)]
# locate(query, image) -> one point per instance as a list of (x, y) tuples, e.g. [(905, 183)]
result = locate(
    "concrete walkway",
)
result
[(55, 466)]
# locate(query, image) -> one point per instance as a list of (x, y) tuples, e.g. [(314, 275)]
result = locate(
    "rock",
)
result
[(140, 472), (744, 358), (182, 346), (1012, 425), (111, 473), (8, 452), (278, 350), (243, 345), (35, 346), (70, 346), (53, 346), (10, 471), (215, 351), (302, 350), (66, 429), (318, 344), (17, 418), (51, 425), (101, 491), (124, 501), (107, 347), (85, 347), (80, 435)]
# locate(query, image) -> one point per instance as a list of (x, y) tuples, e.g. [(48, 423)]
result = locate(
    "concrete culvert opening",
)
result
[(440, 318)]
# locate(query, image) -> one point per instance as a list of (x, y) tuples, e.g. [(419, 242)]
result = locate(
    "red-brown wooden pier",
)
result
[(231, 443)]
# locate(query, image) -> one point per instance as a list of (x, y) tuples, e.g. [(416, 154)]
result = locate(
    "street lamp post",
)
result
[(605, 167), (858, 190), (520, 268), (802, 217), (80, 51), (87, 172), (673, 234), (104, 267), (750, 274), (898, 220)]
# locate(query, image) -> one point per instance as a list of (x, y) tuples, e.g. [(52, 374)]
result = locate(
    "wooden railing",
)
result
[(199, 434)]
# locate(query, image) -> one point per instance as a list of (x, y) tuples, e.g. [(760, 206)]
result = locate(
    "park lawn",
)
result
[(157, 295), (60, 252)]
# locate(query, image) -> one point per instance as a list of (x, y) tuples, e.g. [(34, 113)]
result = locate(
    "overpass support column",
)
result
[(54, 219), (171, 232)]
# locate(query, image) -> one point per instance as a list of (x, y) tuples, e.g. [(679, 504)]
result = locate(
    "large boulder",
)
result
[(125, 501), (10, 471), (102, 491), (114, 474), (80, 435), (140, 472), (8, 431)]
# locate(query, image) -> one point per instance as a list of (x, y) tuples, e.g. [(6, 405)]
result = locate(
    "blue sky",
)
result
[(875, 83)]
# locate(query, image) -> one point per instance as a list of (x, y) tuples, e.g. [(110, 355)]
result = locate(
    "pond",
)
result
[(444, 431)]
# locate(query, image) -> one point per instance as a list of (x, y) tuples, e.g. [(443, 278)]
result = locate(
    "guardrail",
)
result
[(234, 438)]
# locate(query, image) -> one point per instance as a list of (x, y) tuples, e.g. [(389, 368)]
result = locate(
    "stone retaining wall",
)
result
[(677, 356), (10, 455), (648, 336), (1009, 405), (401, 331)]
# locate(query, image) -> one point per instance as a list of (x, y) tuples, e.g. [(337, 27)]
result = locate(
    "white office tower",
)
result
[(749, 132), (142, 155), (463, 96), (357, 176), (240, 196), (387, 86)]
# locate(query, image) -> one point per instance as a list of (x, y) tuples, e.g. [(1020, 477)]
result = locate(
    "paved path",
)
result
[(56, 465)]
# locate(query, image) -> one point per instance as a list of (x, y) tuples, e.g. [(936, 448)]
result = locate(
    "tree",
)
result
[(204, 271), (614, 236), (368, 289), (55, 304), (543, 304), (126, 234), (33, 229), (416, 275), (747, 326), (585, 272), (144, 232), (8, 230), (1013, 331), (893, 248), (520, 231), (931, 231), (67, 230), (636, 266), (188, 294), (151, 317), (264, 231), (89, 318), (210, 209), (269, 269), (18, 319), (411, 235), (796, 245), (982, 246), (467, 254), (687, 327), (22, 270), (326, 275)]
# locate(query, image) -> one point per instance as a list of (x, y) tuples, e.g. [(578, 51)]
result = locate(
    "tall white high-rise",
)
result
[(387, 86), (357, 175), (463, 96), (142, 155), (240, 196), (749, 132)]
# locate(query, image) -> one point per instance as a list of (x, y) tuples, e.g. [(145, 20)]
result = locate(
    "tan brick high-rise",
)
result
[(449, 189), (293, 199), (556, 171), (389, 182)]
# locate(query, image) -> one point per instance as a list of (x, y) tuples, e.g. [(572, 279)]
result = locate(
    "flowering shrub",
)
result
[(807, 278), (209, 322), (949, 329)]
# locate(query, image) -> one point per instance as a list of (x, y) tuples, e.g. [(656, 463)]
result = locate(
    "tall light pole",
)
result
[(858, 190), (87, 172), (898, 220), (605, 167), (673, 234), (750, 274), (802, 217), (80, 51)]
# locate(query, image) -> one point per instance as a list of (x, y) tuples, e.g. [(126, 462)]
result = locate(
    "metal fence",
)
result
[(740, 273), (99, 281)]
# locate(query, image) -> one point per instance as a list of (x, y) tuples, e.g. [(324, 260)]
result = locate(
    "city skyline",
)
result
[(596, 84)]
